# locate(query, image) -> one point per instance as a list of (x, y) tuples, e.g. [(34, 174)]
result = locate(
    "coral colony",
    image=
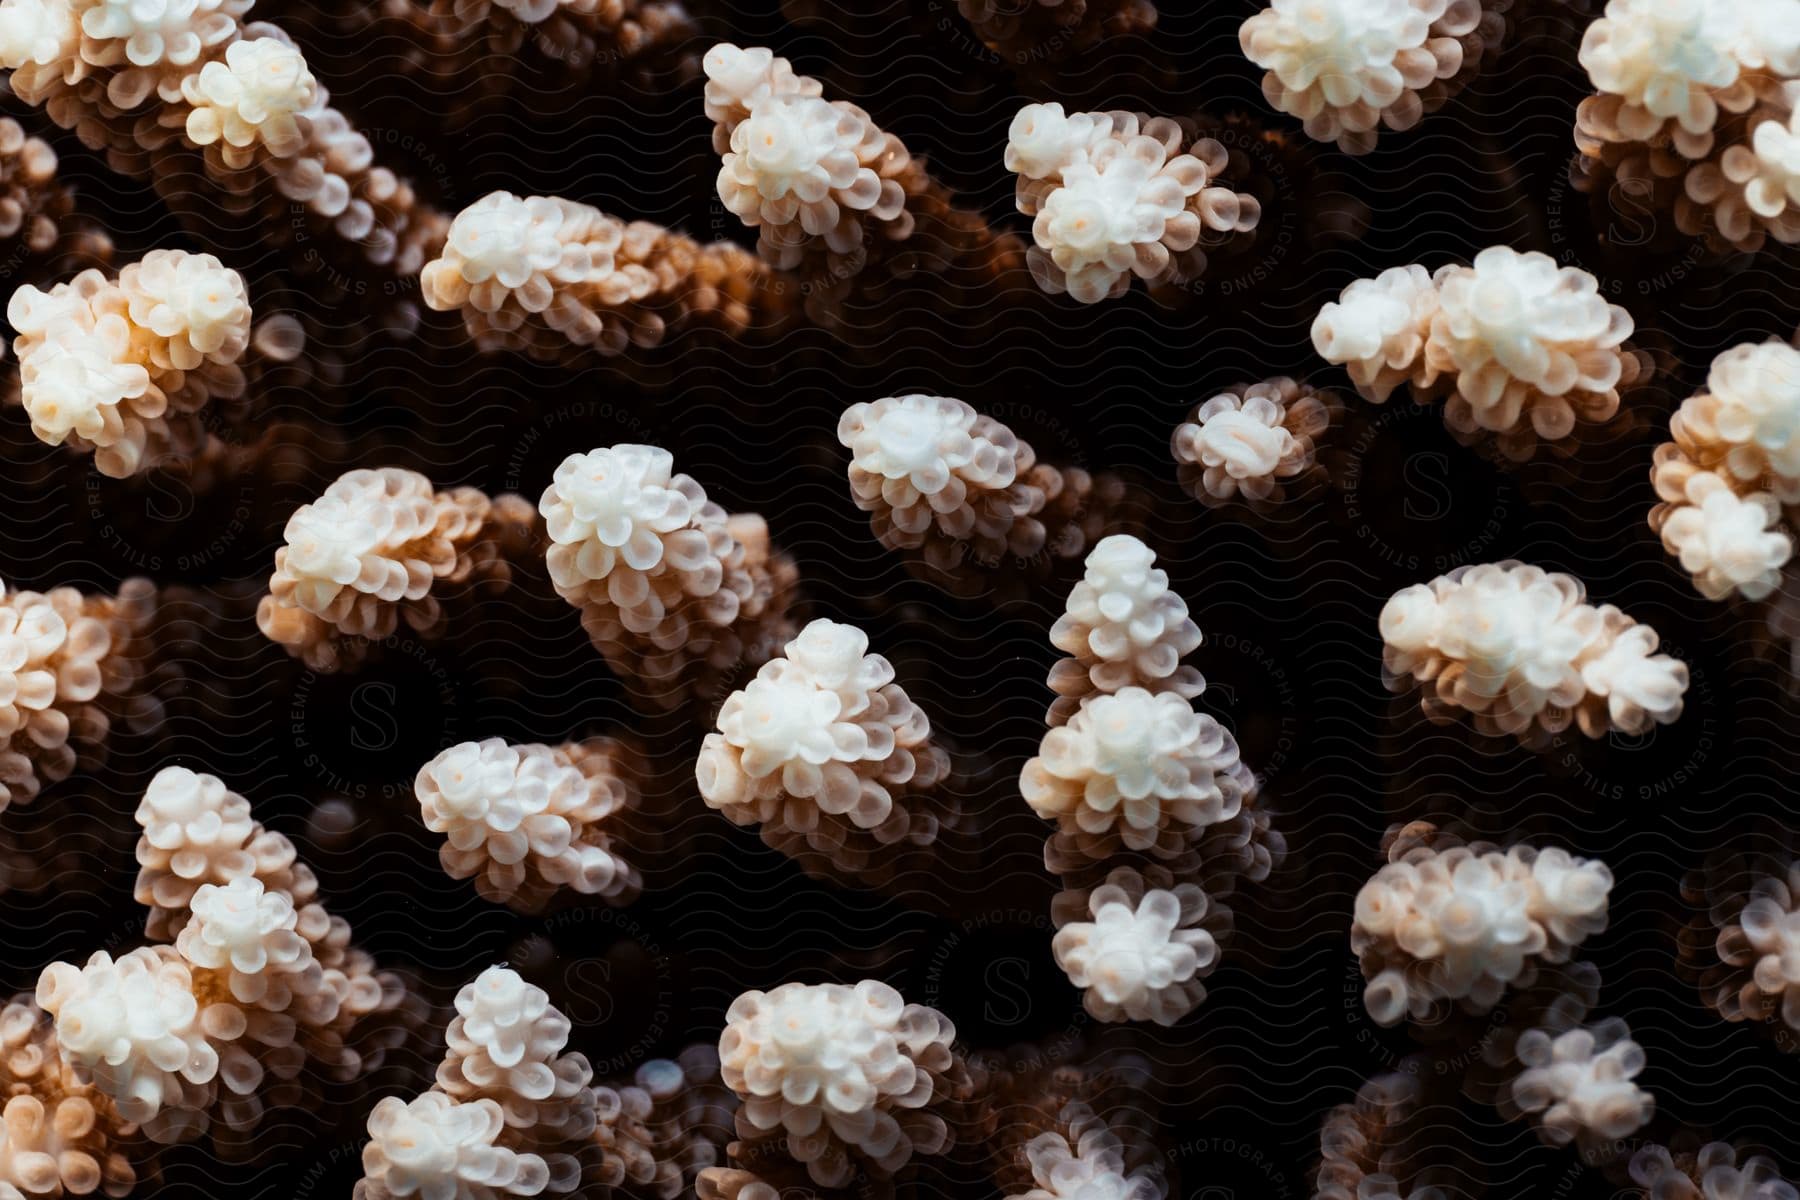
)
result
[(867, 513)]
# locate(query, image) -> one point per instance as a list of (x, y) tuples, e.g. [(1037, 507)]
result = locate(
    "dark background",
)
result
[(1288, 604)]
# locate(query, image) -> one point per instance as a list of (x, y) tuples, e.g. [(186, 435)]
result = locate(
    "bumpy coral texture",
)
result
[(1136, 769), (1699, 94), (1579, 1083), (1347, 68), (366, 556), (259, 983), (1143, 955), (1357, 1143), (826, 753), (672, 590), (68, 663), (844, 1076), (1087, 1163), (1711, 1173), (547, 276), (1731, 467), (1463, 923), (1518, 648), (1114, 195), (171, 86), (1250, 441), (524, 821), (961, 493), (511, 1115), (1758, 952), (1122, 627), (59, 1134), (821, 183), (122, 367), (1520, 349)]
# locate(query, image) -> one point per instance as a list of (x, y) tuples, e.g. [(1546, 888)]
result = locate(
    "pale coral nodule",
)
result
[(1518, 348), (1143, 953), (1116, 196), (123, 368), (961, 494), (827, 755), (511, 1112), (1139, 770), (1578, 1083), (68, 665), (1695, 101), (1253, 441), (1121, 626), (1463, 923), (1088, 1162), (1349, 68), (375, 553), (844, 1077), (674, 592), (250, 979), (1730, 471), (1519, 650), (551, 277), (525, 821)]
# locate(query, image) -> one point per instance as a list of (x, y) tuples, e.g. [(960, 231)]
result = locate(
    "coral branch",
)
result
[(829, 757), (1517, 347), (70, 666), (1254, 441), (1463, 923), (1520, 649), (1115, 195), (377, 549), (122, 368), (527, 821), (551, 278), (962, 496), (675, 593)]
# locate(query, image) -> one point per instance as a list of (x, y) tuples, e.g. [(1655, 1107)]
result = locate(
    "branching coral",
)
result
[(1580, 1083), (828, 756), (60, 1134), (259, 1001), (525, 821), (1519, 348), (1122, 627), (550, 277), (960, 494), (69, 666), (161, 86), (1252, 441), (1520, 649), (1087, 1161), (830, 194), (378, 548), (675, 593), (1462, 923), (1136, 770), (1143, 955), (1695, 99), (511, 1114), (1732, 465), (1347, 68), (1711, 1173), (846, 1078), (123, 368), (1115, 195)]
